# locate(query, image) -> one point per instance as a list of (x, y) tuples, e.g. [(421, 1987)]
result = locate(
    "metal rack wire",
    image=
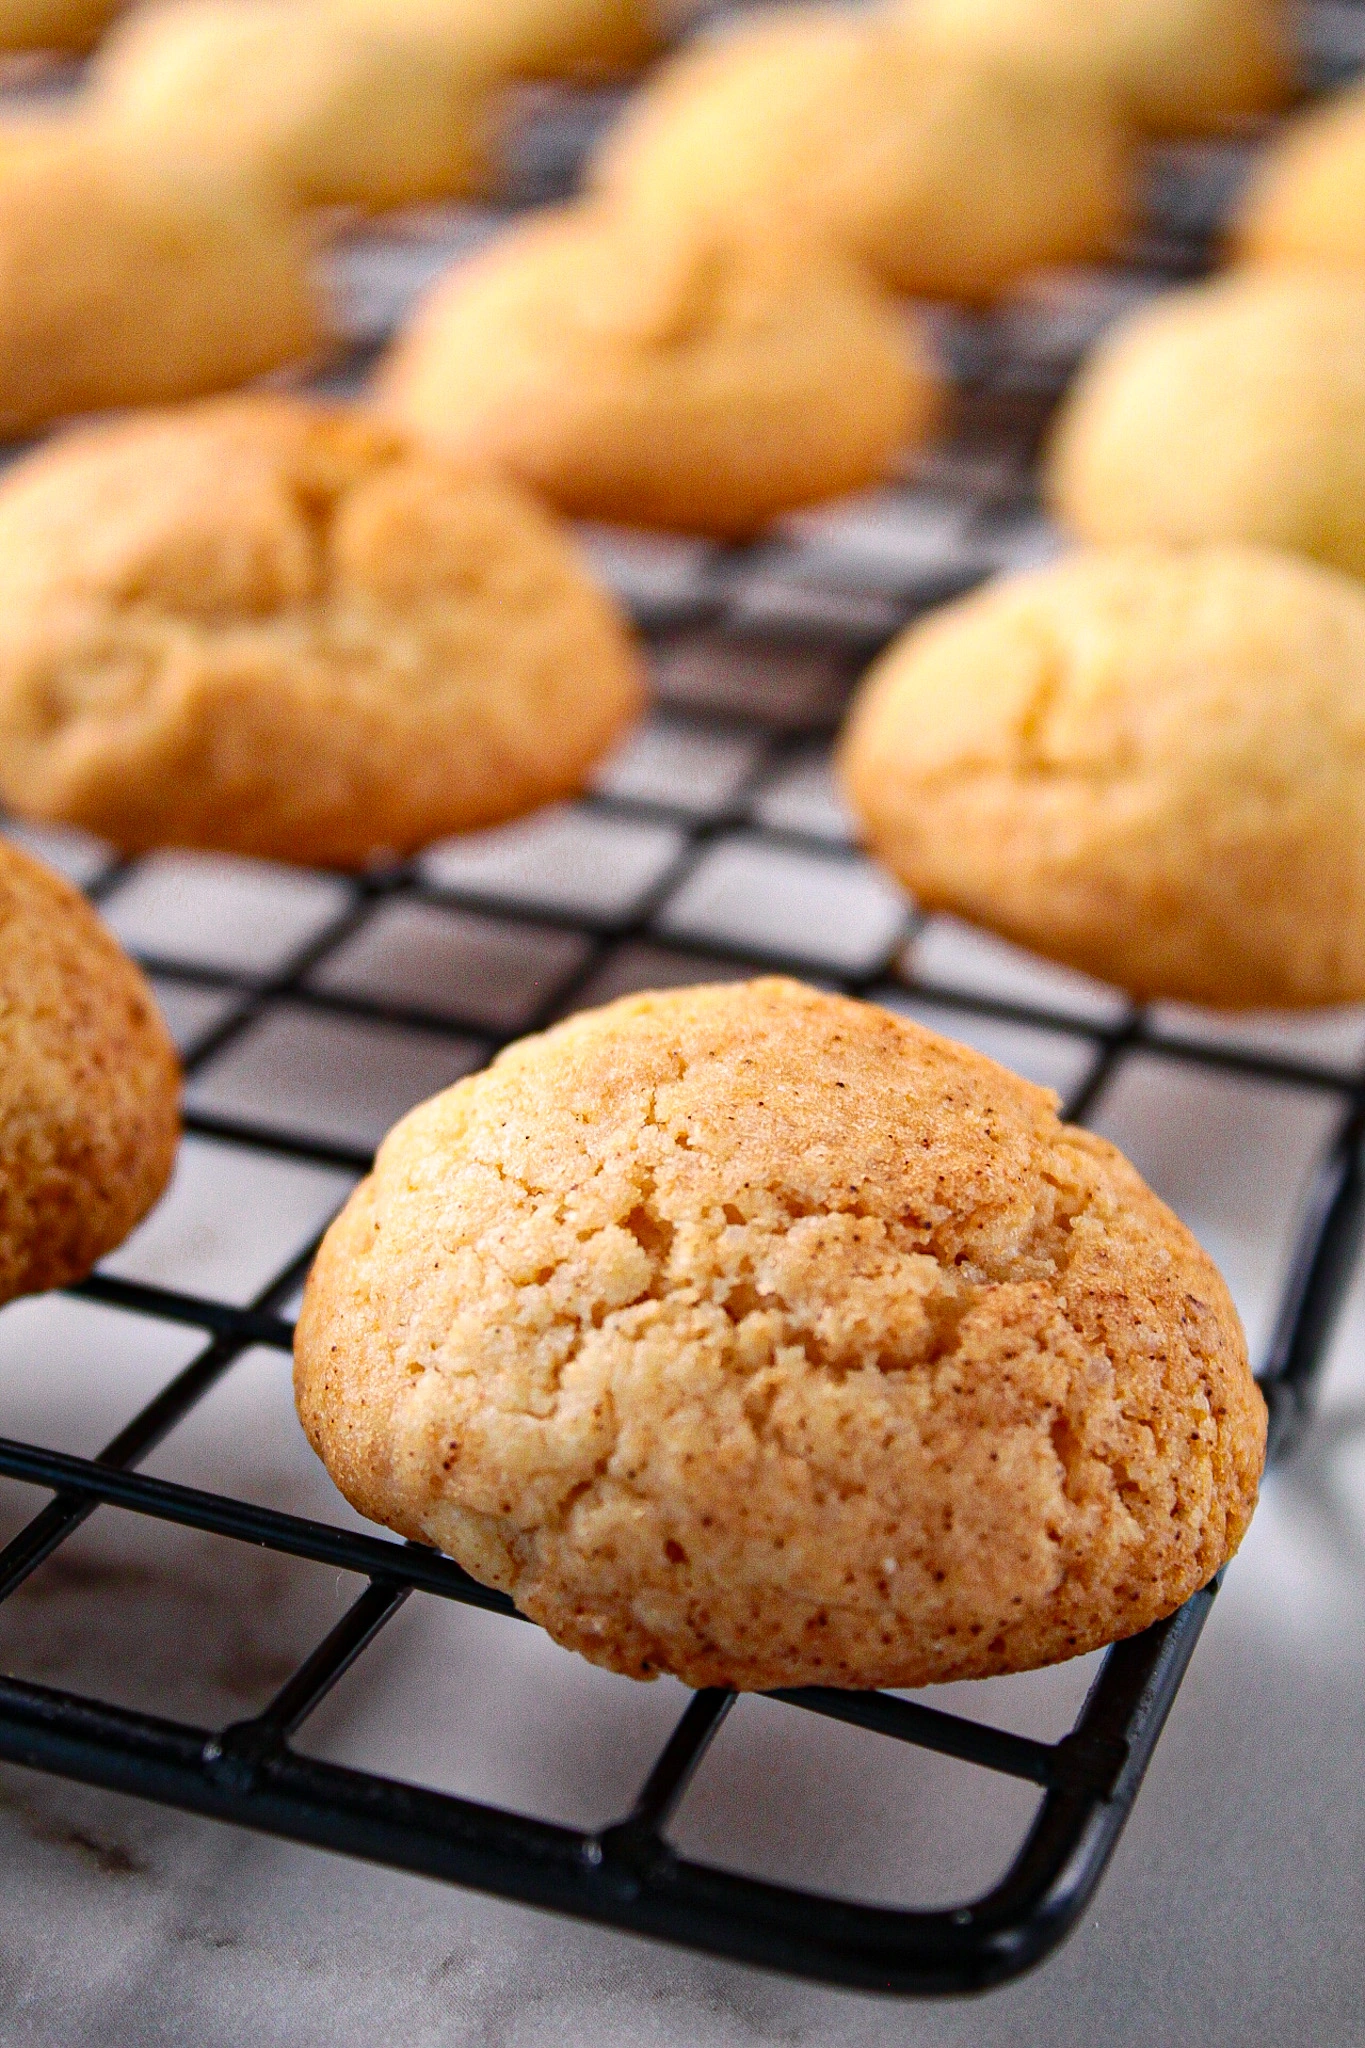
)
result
[(753, 651)]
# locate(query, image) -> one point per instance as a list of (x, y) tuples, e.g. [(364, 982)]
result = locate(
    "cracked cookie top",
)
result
[(763, 1337), (1146, 762), (279, 628)]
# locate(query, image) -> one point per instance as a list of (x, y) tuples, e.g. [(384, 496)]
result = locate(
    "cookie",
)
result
[(705, 379), (1175, 67), (324, 107), (73, 25), (1304, 202), (280, 629), (530, 38), (1230, 411), (89, 1084), (124, 280), (1145, 763), (761, 1337), (948, 178)]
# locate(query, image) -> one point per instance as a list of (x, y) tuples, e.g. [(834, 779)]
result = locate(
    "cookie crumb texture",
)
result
[(89, 1084), (279, 629), (759, 1336)]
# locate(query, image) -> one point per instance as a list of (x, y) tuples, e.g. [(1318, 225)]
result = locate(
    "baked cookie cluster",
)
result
[(1145, 762), (747, 1334)]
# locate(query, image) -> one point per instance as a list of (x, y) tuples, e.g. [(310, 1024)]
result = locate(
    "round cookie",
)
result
[(1175, 67), (326, 108), (1229, 411), (54, 24), (1148, 764), (89, 1084), (282, 629), (1305, 200), (530, 38), (701, 379), (124, 280), (948, 178), (644, 1326)]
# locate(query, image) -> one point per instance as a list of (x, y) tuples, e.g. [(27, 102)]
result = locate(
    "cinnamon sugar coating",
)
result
[(89, 1084), (762, 1337)]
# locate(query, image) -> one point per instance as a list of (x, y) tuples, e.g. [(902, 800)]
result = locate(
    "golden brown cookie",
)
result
[(125, 280), (948, 178), (762, 1337), (323, 107), (89, 1084), (1176, 67), (530, 38), (1229, 411), (1305, 200), (54, 24), (705, 379), (1146, 763), (282, 629)]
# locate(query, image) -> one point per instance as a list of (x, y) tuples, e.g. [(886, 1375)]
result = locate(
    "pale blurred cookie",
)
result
[(89, 1084), (125, 280), (948, 178), (1230, 411), (764, 1338), (698, 379), (66, 25), (27, 134), (530, 38), (1176, 67), (281, 629), (1148, 764), (1304, 203), (325, 108)]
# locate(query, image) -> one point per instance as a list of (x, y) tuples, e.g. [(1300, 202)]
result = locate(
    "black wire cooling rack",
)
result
[(755, 651)]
